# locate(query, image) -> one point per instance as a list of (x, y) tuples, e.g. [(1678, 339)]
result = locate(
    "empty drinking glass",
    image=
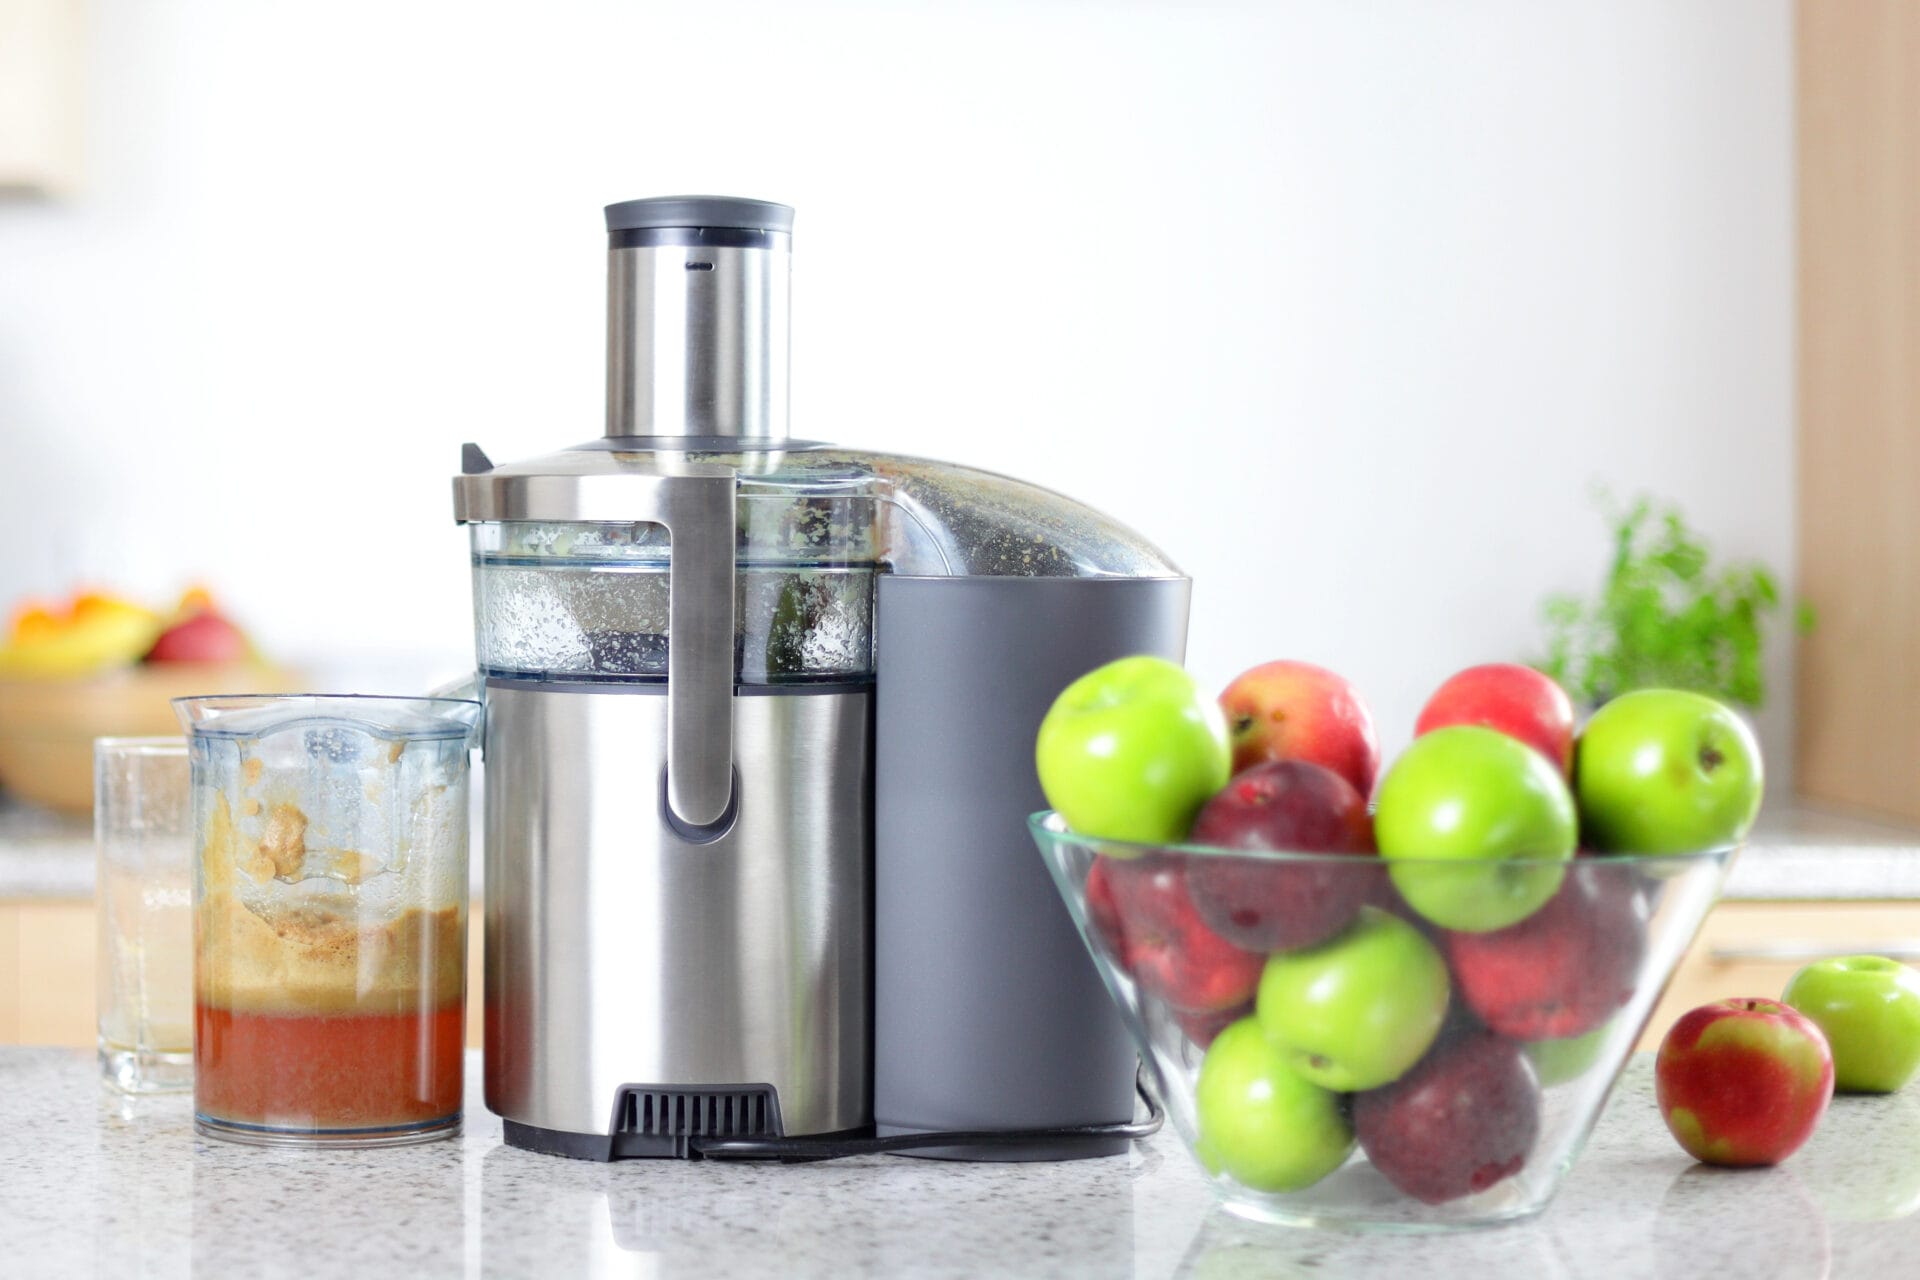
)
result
[(143, 827)]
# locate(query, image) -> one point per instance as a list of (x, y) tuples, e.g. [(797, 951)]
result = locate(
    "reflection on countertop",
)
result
[(93, 1182), (1797, 853)]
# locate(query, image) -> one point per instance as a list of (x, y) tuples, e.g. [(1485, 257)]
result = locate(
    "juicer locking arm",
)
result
[(698, 512), (695, 503)]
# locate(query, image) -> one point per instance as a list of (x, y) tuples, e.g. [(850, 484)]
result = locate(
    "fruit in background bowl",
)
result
[(1868, 1007), (1461, 1121), (73, 672), (1131, 750), (92, 632), (200, 633), (1140, 909), (1517, 701), (96, 632), (1357, 1011), (1260, 1121), (1743, 1082), (1666, 771), (1475, 827), (1290, 710), (1269, 905), (1563, 970)]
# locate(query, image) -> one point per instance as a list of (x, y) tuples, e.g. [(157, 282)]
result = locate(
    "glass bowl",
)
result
[(1333, 1058)]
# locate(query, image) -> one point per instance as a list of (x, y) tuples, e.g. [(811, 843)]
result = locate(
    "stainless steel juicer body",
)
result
[(711, 910), (660, 919), (622, 953)]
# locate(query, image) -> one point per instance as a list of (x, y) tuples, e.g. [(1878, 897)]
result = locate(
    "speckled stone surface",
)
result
[(94, 1184), (1803, 853)]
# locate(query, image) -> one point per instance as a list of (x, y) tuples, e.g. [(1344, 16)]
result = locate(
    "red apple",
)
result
[(1287, 805), (202, 637), (1296, 711), (1102, 912), (1566, 968), (1464, 1118), (1743, 1082), (1141, 910), (1517, 701), (1201, 1028)]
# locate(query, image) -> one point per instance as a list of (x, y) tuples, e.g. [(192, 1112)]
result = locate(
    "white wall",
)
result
[(1347, 305)]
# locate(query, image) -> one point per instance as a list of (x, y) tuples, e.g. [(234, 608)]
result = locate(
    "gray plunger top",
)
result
[(697, 317)]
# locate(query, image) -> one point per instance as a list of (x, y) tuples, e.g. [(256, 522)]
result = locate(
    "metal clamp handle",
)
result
[(698, 513), (695, 503)]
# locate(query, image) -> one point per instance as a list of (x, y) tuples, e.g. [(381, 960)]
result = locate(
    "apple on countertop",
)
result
[(1743, 1082), (1868, 1007)]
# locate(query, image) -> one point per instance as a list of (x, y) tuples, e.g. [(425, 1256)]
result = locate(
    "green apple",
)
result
[(1131, 750), (1259, 1121), (1869, 1006), (1476, 828), (1356, 1011), (1664, 771), (1566, 1058)]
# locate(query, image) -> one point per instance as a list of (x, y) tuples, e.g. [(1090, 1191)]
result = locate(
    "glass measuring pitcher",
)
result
[(330, 916)]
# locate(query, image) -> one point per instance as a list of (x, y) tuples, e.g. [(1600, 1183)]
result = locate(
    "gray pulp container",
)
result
[(988, 1012)]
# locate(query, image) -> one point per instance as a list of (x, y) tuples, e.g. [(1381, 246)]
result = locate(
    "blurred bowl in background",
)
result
[(47, 725)]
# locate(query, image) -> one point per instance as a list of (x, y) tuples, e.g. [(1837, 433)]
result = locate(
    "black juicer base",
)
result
[(661, 1122)]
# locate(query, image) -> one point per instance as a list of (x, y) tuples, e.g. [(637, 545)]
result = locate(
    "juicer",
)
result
[(759, 735)]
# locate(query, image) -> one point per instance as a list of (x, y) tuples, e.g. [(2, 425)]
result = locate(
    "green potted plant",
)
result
[(1666, 615)]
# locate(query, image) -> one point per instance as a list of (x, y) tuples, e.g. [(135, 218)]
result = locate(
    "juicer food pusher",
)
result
[(760, 716)]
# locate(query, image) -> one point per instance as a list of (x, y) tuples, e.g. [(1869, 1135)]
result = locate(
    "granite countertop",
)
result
[(1797, 853), (91, 1182)]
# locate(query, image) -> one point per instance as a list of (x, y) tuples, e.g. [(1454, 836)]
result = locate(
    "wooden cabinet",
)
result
[(46, 949), (47, 971), (1858, 130)]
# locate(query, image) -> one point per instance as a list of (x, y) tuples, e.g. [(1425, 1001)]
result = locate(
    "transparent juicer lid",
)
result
[(589, 600)]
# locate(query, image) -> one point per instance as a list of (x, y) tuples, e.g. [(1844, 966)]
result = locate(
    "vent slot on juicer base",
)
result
[(660, 1122), (652, 1121)]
